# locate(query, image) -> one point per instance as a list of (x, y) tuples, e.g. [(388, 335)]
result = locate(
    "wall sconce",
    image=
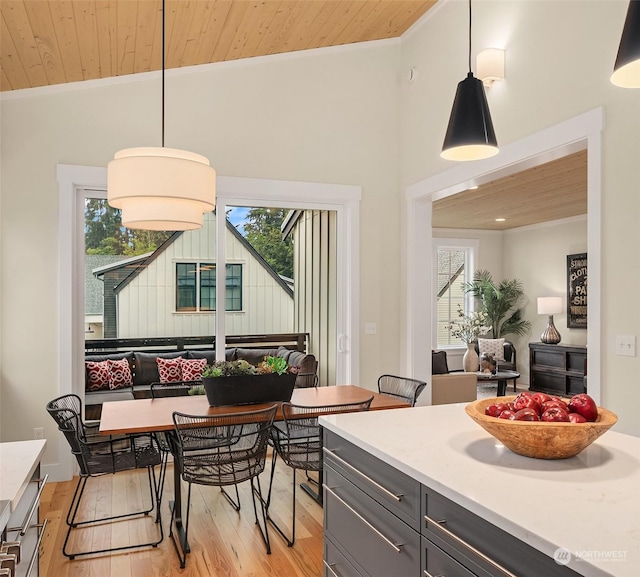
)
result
[(550, 306), (490, 65)]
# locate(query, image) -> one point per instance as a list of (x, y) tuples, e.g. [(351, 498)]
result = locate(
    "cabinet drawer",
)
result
[(480, 546), (396, 491), (24, 527), (436, 563), (365, 531), (335, 564)]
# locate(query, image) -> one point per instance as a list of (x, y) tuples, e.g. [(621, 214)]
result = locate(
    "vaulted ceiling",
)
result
[(49, 42), (45, 42)]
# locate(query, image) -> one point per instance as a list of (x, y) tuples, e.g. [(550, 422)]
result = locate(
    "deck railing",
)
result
[(297, 341)]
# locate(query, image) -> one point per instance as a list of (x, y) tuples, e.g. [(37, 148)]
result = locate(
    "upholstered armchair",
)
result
[(450, 386)]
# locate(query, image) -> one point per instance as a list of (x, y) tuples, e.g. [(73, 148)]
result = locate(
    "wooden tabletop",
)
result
[(145, 415)]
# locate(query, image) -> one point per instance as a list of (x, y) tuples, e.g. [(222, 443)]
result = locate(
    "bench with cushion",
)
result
[(101, 385)]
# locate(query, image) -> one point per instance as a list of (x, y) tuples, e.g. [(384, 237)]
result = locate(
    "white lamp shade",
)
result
[(549, 305), (161, 188), (490, 65)]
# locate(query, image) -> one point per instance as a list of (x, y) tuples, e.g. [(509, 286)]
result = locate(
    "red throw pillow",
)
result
[(169, 369), (120, 374), (192, 369), (98, 375)]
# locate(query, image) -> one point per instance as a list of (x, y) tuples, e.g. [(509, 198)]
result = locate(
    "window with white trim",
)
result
[(196, 287), (454, 265)]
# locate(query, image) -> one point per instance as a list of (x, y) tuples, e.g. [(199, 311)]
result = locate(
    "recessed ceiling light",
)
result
[(500, 219), (473, 187)]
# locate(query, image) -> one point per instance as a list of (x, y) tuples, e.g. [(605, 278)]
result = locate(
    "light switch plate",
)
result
[(370, 328), (626, 345)]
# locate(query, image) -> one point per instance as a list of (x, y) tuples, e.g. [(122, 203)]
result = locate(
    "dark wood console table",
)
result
[(557, 369)]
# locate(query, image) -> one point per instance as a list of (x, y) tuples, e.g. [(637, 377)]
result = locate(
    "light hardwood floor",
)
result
[(223, 543)]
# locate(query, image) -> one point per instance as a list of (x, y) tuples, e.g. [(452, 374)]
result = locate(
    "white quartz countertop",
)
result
[(18, 462), (588, 505)]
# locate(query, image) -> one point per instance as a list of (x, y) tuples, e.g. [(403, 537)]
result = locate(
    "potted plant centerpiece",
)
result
[(240, 382), (468, 328)]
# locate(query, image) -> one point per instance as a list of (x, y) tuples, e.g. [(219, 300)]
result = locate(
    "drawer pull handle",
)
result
[(36, 550), (462, 542), (427, 574), (391, 544), (330, 568), (34, 506), (352, 468)]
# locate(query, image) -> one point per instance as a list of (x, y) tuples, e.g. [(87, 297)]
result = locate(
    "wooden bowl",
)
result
[(540, 440)]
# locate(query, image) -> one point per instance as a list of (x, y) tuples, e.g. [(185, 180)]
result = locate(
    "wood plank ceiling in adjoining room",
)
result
[(550, 191), (47, 42)]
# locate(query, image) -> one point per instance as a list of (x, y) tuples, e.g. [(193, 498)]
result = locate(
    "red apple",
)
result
[(493, 410), (556, 415), (559, 404), (541, 397), (526, 414), (584, 405), (576, 418), (526, 402), (507, 414)]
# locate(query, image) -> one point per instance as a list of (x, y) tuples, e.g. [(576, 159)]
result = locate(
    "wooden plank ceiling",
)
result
[(550, 191), (46, 42)]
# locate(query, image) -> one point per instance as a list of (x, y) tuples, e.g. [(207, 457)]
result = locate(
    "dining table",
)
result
[(156, 415)]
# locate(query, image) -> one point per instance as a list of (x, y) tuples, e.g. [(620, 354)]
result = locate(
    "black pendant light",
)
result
[(626, 72), (470, 134)]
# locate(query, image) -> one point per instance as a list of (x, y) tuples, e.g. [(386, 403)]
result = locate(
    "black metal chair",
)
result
[(298, 442), (401, 388), (223, 450), (103, 455), (163, 390), (306, 380)]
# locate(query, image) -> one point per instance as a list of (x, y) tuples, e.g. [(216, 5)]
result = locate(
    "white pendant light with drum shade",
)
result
[(626, 72), (470, 134), (160, 188)]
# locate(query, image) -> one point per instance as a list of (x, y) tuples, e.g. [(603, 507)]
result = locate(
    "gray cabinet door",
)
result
[(372, 538), (390, 487), (481, 546)]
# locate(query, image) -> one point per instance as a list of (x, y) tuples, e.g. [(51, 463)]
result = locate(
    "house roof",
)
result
[(145, 260), (93, 286)]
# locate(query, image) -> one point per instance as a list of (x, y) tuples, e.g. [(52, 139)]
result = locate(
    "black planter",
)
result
[(248, 389)]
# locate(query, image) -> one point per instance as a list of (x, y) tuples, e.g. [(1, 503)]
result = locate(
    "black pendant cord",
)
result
[(163, 25), (469, 35)]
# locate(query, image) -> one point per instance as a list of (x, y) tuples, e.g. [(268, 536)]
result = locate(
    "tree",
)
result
[(262, 230), (104, 233), (501, 302)]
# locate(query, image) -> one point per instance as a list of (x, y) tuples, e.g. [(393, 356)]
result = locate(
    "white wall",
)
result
[(559, 58), (537, 255), (324, 116)]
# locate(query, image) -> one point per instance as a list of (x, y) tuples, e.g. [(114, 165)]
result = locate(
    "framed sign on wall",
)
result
[(577, 291)]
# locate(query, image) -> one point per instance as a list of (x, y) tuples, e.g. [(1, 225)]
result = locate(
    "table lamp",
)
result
[(550, 306)]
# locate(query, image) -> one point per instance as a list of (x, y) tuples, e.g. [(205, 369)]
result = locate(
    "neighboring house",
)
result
[(111, 276), (315, 276), (171, 292), (94, 293)]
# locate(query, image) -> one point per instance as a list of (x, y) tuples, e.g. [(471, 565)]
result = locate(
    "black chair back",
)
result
[(401, 388)]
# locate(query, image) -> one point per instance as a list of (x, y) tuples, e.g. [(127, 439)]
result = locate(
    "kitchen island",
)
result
[(20, 490), (579, 515)]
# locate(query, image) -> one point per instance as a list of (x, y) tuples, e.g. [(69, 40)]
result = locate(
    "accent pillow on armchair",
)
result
[(493, 347)]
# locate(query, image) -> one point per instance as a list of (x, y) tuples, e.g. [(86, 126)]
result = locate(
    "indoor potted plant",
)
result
[(468, 328), (239, 382), (501, 301)]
